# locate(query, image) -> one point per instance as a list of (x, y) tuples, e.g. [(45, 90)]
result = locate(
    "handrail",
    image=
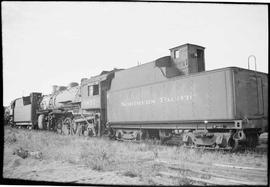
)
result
[(256, 77), (254, 61)]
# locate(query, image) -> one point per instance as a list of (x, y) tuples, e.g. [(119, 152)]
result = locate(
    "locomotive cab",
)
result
[(94, 102)]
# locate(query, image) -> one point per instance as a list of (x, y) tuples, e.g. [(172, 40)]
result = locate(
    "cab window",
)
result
[(93, 90)]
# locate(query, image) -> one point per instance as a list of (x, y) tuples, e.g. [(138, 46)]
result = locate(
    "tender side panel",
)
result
[(205, 96), (136, 76), (22, 113), (251, 93)]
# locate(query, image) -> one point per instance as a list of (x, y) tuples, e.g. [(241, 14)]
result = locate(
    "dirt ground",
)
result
[(147, 168)]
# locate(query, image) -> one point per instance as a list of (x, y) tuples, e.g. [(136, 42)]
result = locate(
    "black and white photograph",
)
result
[(107, 93)]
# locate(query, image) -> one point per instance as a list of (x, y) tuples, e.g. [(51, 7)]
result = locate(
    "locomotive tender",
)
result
[(171, 96)]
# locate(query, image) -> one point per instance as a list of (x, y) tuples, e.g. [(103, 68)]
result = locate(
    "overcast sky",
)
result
[(55, 43)]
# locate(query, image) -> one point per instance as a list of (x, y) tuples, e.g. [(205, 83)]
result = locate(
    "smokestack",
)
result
[(54, 88)]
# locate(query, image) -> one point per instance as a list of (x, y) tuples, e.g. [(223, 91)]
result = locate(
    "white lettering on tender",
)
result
[(137, 103), (160, 100)]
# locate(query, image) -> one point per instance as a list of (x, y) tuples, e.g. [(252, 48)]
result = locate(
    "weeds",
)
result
[(97, 156), (16, 163), (11, 139), (130, 173), (129, 158), (184, 181), (151, 182)]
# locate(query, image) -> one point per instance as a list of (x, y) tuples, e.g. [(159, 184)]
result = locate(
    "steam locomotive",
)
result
[(172, 96)]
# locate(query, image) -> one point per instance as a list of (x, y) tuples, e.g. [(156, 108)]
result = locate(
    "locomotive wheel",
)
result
[(66, 126), (59, 126), (41, 121), (73, 128), (86, 132), (79, 129), (65, 130)]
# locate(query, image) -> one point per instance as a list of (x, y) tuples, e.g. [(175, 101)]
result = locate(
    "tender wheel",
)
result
[(112, 133), (139, 136), (234, 144), (119, 136), (252, 140), (145, 135), (189, 142), (41, 121)]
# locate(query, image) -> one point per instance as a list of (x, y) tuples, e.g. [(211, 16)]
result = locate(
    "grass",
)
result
[(130, 159)]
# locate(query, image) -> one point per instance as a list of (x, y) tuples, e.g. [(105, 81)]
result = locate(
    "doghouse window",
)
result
[(176, 54)]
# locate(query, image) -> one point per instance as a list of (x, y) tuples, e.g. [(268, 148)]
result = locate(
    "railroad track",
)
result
[(215, 174), (177, 142)]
